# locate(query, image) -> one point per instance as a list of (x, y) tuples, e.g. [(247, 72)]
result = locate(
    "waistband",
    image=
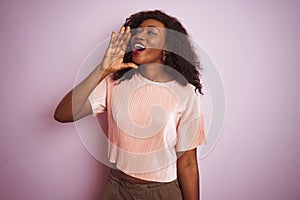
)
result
[(117, 180)]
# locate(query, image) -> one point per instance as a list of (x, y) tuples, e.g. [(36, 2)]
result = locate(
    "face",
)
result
[(148, 42)]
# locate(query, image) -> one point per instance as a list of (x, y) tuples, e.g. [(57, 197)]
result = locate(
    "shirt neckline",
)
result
[(140, 76)]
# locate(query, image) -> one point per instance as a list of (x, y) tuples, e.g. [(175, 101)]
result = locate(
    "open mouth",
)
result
[(138, 48)]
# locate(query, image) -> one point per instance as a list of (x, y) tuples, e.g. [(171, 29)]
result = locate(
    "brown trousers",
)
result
[(117, 189)]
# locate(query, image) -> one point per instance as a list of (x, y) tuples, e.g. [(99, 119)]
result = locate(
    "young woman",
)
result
[(148, 83)]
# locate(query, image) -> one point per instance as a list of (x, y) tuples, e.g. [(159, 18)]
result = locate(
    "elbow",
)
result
[(60, 117), (190, 166)]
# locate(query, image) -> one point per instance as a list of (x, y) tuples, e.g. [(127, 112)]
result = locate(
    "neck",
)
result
[(155, 72)]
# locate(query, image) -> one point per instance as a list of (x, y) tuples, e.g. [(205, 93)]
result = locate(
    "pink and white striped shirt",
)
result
[(148, 123)]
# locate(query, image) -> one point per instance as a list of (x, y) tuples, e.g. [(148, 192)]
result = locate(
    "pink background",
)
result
[(254, 44)]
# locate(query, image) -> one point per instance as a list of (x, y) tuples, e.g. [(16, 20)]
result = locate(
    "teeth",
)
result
[(139, 47)]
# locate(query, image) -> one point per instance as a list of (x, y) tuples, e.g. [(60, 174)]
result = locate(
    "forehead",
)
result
[(152, 22)]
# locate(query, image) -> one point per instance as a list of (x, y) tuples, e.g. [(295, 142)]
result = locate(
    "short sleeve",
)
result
[(190, 129), (97, 98)]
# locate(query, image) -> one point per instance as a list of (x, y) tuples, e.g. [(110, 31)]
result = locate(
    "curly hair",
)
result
[(180, 55)]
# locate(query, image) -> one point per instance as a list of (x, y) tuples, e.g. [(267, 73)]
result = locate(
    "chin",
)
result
[(138, 61)]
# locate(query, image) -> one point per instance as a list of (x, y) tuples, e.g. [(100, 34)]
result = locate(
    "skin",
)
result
[(188, 175), (75, 104), (152, 34)]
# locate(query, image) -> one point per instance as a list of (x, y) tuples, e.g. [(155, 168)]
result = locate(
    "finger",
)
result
[(111, 47), (112, 37), (121, 33), (123, 43), (120, 36), (127, 35), (122, 29), (122, 40), (127, 29), (129, 65), (133, 65)]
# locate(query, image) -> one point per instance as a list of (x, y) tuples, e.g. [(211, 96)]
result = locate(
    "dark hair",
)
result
[(180, 55)]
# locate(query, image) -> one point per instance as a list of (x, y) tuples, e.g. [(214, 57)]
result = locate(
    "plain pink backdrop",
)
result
[(255, 46)]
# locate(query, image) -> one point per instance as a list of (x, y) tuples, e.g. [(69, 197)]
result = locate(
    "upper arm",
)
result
[(190, 127), (85, 110), (187, 158)]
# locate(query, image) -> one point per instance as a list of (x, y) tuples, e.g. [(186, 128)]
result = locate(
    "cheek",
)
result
[(155, 52), (157, 43)]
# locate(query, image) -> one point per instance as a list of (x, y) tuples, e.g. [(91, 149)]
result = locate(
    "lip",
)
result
[(137, 42), (136, 51)]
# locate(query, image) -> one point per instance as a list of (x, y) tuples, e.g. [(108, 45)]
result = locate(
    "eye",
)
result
[(136, 31), (150, 32)]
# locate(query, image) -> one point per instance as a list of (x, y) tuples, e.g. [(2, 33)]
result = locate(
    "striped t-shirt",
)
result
[(148, 123)]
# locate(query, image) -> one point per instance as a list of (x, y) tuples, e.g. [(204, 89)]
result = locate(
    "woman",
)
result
[(148, 83)]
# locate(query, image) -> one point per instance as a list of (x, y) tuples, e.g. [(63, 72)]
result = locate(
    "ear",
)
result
[(165, 47), (163, 55)]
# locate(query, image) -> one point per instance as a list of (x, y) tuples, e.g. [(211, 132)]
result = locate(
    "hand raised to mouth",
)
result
[(113, 58)]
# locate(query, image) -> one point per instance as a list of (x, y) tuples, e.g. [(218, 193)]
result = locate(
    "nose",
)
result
[(139, 35)]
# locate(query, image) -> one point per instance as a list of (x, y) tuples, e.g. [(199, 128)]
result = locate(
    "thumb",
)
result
[(130, 65)]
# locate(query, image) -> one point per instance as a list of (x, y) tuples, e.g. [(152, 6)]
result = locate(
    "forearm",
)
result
[(189, 182), (188, 175), (72, 103), (75, 104), (82, 91)]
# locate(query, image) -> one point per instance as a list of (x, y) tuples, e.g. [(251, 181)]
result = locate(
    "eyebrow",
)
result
[(151, 26), (154, 27)]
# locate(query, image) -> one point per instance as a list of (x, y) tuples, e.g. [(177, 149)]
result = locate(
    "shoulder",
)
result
[(186, 92)]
